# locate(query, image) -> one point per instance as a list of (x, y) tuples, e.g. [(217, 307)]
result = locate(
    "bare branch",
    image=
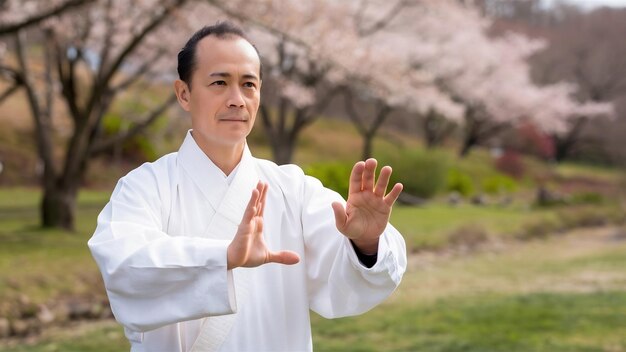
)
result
[(145, 67), (101, 86), (102, 146), (65, 71), (384, 20), (351, 110), (42, 127), (106, 46), (8, 92), (49, 85), (67, 5)]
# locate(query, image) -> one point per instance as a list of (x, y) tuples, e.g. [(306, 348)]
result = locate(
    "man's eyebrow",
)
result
[(228, 75), (220, 74), (250, 76)]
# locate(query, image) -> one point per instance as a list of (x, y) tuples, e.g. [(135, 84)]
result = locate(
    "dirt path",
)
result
[(583, 260)]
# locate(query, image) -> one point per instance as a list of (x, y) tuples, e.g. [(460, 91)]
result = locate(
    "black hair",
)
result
[(187, 55)]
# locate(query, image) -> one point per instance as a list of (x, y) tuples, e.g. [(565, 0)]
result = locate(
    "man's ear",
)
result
[(182, 94)]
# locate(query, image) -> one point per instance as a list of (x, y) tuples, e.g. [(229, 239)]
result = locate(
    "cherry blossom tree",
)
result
[(89, 56), (490, 76), (17, 15), (311, 51)]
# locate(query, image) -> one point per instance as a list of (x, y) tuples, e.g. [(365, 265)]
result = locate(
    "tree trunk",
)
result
[(436, 129), (565, 145), (430, 130), (468, 144), (368, 140), (58, 207), (283, 149), (561, 150)]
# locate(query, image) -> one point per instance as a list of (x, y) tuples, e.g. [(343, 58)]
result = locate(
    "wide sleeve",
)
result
[(153, 279), (339, 285)]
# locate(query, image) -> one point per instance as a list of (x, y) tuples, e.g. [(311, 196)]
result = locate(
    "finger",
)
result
[(251, 208), (340, 216), (383, 181), (393, 195), (261, 209), (368, 174), (283, 257), (259, 188), (356, 177)]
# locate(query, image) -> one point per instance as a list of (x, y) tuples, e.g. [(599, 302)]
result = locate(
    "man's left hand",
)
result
[(368, 207)]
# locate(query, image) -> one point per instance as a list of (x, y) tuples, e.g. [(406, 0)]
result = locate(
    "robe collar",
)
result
[(213, 183)]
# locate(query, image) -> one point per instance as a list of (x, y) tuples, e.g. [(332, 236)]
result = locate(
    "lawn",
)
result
[(561, 293)]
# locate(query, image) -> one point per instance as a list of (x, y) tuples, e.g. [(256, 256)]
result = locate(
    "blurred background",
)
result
[(504, 119)]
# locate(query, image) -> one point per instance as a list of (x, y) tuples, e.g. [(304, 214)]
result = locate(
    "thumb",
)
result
[(283, 257), (340, 216)]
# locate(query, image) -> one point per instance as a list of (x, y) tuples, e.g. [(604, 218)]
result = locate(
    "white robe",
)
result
[(161, 246)]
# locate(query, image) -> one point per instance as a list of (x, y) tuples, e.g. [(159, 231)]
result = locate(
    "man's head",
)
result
[(187, 55), (219, 85)]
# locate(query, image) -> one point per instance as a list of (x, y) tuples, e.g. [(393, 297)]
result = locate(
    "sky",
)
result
[(587, 4)]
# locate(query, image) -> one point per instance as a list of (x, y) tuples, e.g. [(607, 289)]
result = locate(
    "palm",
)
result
[(248, 248), (368, 207)]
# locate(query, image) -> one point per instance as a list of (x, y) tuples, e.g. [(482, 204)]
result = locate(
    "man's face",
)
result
[(225, 92)]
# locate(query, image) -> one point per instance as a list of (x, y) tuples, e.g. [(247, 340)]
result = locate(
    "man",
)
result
[(186, 244)]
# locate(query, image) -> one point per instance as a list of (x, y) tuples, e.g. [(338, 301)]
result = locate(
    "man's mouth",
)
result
[(233, 119)]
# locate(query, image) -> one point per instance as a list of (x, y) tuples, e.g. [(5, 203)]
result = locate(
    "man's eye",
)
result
[(249, 85), (218, 83)]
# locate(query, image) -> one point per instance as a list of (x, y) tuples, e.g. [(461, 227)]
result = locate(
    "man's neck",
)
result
[(225, 157)]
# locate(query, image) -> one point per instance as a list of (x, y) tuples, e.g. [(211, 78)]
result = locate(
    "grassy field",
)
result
[(563, 293)]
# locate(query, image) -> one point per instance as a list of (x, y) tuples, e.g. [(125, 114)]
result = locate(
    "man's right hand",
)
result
[(248, 247)]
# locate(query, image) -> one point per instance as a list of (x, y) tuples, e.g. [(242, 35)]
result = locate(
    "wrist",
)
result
[(367, 247), (229, 259)]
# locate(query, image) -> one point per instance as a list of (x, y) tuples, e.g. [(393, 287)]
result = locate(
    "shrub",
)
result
[(541, 228), (335, 175), (140, 147), (587, 198), (460, 182), (585, 216), (510, 163), (499, 184), (468, 236), (423, 173), (548, 198)]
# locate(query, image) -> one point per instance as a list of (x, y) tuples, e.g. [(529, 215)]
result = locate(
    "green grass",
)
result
[(428, 227), (101, 337), (556, 294), (45, 263), (560, 294), (531, 322), (590, 171)]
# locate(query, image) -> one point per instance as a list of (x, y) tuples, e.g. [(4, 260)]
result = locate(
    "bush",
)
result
[(589, 216), (139, 147), (587, 198), (423, 173), (510, 163), (539, 229), (468, 236), (460, 182), (335, 176), (499, 184)]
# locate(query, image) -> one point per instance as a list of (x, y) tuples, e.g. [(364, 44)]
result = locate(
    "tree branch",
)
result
[(42, 127), (384, 20), (352, 113), (12, 28), (8, 92), (104, 145), (140, 72)]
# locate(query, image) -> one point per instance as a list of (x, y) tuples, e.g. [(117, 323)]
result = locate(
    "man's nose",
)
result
[(235, 98)]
